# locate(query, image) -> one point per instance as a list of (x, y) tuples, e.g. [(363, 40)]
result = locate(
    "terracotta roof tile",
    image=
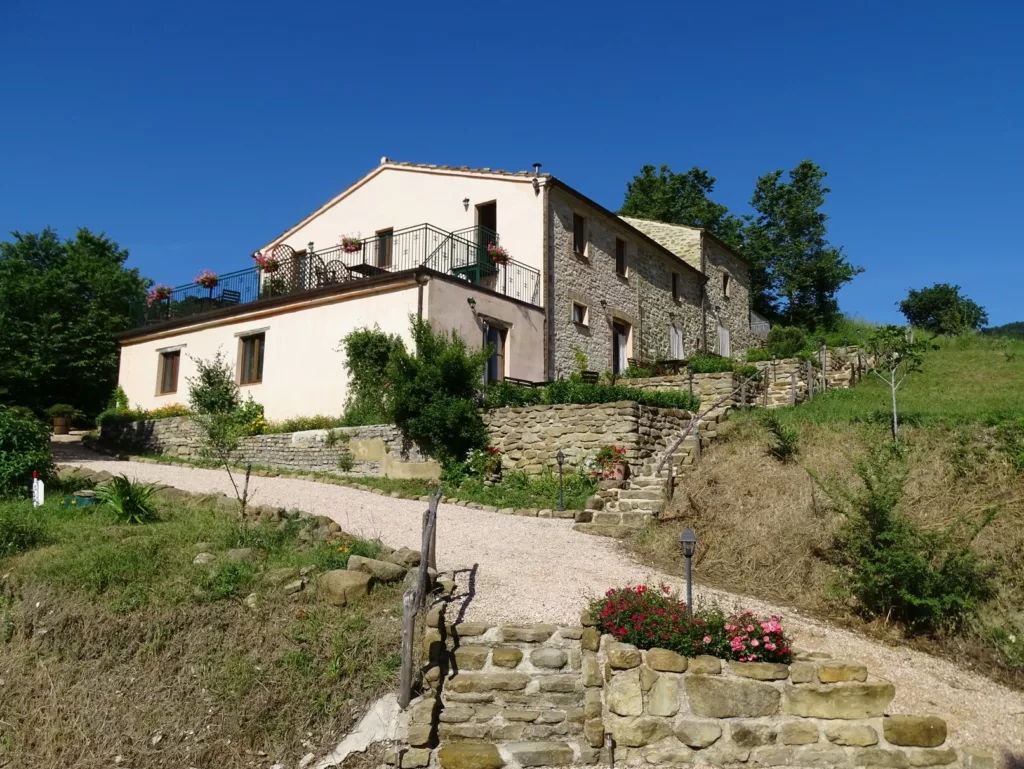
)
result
[(465, 169)]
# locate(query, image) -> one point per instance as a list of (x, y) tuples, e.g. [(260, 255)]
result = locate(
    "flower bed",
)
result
[(652, 618)]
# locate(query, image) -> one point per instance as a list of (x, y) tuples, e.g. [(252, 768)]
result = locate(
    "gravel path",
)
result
[(529, 569)]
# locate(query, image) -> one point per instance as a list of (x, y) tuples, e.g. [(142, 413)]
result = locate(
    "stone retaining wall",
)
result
[(539, 695), (530, 437)]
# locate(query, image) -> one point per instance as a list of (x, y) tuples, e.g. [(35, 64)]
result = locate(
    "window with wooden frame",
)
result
[(252, 359), (620, 257), (677, 288), (579, 313), (727, 285), (169, 362), (579, 234)]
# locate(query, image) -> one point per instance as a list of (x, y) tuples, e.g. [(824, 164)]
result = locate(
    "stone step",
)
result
[(603, 530), (647, 492)]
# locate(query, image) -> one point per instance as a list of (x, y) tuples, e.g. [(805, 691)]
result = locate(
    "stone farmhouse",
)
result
[(407, 239)]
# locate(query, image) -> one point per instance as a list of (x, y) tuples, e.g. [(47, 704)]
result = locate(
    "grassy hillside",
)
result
[(774, 530), (115, 645)]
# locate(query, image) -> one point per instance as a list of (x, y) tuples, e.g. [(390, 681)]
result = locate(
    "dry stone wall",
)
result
[(540, 695)]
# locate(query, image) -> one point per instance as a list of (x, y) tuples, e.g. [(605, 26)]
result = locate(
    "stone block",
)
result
[(705, 665), (931, 757), (591, 639), (847, 701), (639, 731), (419, 735), (470, 755), (506, 656), (751, 734), (548, 657), (551, 717), (664, 697), (415, 758), (856, 735), (975, 758), (381, 570), (647, 678), (803, 673), (456, 713), (487, 682), (527, 633), (624, 696), (760, 671), (798, 733), (726, 698), (879, 757), (340, 586), (507, 731), (697, 734), (826, 757), (455, 732), (623, 656), (541, 753), (591, 670), (666, 661), (469, 629), (587, 620), (571, 633), (520, 715), (558, 683), (471, 657), (915, 731), (667, 751), (835, 671), (593, 732)]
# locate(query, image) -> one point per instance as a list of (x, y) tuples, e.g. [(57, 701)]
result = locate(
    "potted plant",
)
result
[(351, 243), (61, 413), (207, 279), (158, 293), (611, 460), (497, 253), (266, 262)]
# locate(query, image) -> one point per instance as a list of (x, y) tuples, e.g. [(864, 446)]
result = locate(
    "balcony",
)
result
[(461, 254)]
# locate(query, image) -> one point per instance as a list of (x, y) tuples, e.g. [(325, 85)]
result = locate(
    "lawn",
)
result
[(116, 644)]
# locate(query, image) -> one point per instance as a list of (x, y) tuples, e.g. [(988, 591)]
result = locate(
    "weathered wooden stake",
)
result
[(810, 380), (792, 389)]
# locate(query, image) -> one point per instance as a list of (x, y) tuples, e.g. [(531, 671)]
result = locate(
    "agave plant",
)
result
[(131, 502)]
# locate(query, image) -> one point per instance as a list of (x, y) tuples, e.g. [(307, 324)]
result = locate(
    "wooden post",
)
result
[(408, 631), (671, 476), (743, 394), (810, 380), (823, 353), (689, 370), (696, 435), (792, 389)]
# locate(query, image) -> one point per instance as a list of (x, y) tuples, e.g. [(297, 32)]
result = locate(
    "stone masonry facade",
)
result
[(642, 299), (540, 695)]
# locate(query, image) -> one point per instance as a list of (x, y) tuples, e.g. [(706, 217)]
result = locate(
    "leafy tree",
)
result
[(941, 309), (435, 394), (24, 448), (797, 271), (61, 303), (666, 196), (897, 355), (367, 354)]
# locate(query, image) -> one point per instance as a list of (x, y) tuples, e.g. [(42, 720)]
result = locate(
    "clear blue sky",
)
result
[(194, 132)]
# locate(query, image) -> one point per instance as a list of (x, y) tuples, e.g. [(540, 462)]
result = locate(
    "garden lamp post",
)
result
[(560, 458), (688, 543)]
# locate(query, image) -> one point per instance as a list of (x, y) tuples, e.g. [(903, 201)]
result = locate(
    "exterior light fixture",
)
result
[(688, 544), (471, 301), (560, 459), (465, 203)]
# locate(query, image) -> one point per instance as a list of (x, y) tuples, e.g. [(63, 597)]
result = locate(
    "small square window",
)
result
[(169, 362), (727, 285), (620, 257), (677, 289), (252, 359), (579, 313), (579, 234)]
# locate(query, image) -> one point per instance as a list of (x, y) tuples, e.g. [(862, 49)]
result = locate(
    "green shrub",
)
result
[(927, 580), (636, 372), (213, 389), (117, 415), (65, 410), (224, 580), (24, 448), (758, 354), (709, 363), (499, 394), (298, 424), (346, 461), (367, 355), (749, 372), (575, 391), (786, 444), (20, 529), (786, 341), (131, 502)]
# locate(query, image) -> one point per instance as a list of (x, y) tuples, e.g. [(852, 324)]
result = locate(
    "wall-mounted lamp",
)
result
[(536, 186), (471, 301), (465, 203), (604, 302)]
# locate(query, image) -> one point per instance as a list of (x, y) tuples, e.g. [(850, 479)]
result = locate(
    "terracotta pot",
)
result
[(621, 471), (60, 426)]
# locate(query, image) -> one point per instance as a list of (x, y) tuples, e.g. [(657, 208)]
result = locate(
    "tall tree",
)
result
[(941, 309), (801, 272), (62, 303), (666, 196)]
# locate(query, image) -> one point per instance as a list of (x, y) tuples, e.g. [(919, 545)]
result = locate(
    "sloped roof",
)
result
[(673, 236)]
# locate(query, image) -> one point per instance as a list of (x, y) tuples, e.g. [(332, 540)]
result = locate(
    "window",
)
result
[(252, 358), (579, 234), (498, 339), (727, 285), (385, 240), (169, 371), (579, 313), (675, 335), (677, 291), (620, 257), (724, 345), (620, 346)]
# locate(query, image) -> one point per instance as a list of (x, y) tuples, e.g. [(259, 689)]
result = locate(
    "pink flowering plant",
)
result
[(207, 279), (497, 253), (158, 293), (265, 262), (351, 243), (653, 617)]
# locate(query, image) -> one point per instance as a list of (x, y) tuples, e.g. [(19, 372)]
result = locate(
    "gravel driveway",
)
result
[(533, 569)]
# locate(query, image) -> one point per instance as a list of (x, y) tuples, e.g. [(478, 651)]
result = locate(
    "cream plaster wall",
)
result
[(447, 308), (303, 373), (399, 197)]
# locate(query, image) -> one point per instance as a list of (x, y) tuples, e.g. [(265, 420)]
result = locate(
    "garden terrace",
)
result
[(462, 254)]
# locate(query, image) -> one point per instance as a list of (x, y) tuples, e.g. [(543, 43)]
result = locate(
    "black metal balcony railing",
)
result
[(462, 254)]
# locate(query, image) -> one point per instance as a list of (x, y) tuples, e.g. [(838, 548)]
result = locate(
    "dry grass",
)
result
[(766, 528), (180, 674)]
